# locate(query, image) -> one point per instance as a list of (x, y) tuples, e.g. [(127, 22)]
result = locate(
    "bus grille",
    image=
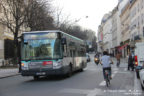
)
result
[(34, 65)]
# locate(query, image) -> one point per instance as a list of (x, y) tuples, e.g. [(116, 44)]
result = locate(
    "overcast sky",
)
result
[(94, 9)]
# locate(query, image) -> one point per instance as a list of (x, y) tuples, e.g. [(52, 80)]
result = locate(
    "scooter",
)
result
[(96, 60)]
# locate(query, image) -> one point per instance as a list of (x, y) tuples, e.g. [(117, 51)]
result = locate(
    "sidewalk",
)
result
[(8, 72)]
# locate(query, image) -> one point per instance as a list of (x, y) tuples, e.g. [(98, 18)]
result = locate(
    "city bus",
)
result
[(52, 52)]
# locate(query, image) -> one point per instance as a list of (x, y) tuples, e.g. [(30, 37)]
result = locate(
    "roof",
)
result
[(52, 31), (41, 31)]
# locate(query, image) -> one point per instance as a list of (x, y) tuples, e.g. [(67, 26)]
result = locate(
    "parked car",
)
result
[(141, 74), (88, 57)]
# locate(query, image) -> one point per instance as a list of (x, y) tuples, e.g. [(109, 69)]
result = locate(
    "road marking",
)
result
[(115, 69), (103, 83), (125, 69), (78, 91), (93, 92), (137, 85)]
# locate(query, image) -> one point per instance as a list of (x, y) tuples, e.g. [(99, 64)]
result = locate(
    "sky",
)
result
[(79, 9)]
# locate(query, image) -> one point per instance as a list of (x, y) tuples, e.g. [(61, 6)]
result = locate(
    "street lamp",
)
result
[(81, 18)]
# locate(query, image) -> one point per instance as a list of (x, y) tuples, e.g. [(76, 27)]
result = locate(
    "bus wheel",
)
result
[(81, 70), (36, 77), (69, 74)]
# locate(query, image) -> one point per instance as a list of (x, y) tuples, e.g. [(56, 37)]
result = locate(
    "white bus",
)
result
[(51, 52)]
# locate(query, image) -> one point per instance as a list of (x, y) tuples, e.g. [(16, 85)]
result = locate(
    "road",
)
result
[(87, 83)]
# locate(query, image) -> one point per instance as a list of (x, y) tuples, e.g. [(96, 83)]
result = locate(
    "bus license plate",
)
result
[(40, 73)]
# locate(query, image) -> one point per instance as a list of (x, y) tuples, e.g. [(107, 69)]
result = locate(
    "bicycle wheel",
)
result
[(107, 81)]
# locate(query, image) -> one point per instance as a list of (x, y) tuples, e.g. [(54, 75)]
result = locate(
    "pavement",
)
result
[(4, 73)]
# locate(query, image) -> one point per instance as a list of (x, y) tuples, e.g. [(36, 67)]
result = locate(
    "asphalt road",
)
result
[(87, 83)]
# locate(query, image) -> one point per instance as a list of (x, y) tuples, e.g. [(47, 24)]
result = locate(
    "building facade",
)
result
[(100, 38), (6, 35), (116, 33), (137, 19), (125, 29), (107, 33)]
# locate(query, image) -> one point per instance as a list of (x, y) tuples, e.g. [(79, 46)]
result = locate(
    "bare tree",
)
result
[(14, 17), (30, 13), (39, 15), (61, 19)]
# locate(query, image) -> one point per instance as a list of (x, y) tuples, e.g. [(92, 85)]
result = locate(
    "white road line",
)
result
[(103, 82), (137, 85), (93, 92), (125, 69), (115, 69), (78, 91)]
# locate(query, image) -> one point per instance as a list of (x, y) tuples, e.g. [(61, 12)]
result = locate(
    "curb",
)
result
[(9, 76)]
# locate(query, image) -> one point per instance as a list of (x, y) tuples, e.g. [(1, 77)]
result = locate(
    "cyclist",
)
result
[(106, 62)]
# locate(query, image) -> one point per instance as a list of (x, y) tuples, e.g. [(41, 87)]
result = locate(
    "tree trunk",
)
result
[(15, 60)]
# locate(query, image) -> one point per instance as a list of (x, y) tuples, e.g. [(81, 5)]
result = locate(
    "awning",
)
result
[(122, 47)]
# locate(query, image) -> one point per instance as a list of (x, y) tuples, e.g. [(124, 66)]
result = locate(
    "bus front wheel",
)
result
[(69, 74), (36, 77)]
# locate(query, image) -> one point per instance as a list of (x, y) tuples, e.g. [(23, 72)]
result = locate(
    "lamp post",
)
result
[(77, 20)]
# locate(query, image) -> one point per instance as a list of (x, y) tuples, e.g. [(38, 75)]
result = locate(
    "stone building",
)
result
[(116, 30), (125, 30), (6, 35), (137, 19)]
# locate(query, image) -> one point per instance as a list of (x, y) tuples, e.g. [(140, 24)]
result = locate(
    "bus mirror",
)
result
[(63, 41)]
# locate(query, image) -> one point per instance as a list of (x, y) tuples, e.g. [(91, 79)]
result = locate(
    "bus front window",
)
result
[(41, 49)]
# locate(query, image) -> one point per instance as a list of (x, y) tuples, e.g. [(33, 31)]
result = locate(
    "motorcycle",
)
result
[(96, 60)]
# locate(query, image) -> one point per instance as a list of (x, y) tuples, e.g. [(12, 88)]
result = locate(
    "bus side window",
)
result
[(71, 53), (74, 53)]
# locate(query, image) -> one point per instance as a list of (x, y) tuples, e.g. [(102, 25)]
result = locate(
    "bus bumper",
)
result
[(44, 72)]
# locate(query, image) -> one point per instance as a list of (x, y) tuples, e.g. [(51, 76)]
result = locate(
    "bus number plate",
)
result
[(40, 73)]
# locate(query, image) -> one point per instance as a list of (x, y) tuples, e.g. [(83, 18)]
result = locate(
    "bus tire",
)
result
[(81, 70), (69, 74), (36, 77)]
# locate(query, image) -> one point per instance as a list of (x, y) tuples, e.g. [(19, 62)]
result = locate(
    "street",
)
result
[(90, 82)]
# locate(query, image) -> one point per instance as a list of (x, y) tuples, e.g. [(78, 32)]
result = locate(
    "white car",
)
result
[(141, 74)]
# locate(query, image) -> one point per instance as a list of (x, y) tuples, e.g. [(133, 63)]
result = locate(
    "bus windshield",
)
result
[(41, 49)]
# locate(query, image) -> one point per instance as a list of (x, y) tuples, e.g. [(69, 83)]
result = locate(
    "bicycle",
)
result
[(107, 77)]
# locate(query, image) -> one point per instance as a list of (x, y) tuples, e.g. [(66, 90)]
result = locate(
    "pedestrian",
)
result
[(130, 62), (118, 56)]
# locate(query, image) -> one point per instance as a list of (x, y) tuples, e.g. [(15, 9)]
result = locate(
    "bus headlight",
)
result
[(57, 64), (24, 66)]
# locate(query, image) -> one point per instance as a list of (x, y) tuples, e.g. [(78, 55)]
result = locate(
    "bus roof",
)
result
[(51, 31)]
